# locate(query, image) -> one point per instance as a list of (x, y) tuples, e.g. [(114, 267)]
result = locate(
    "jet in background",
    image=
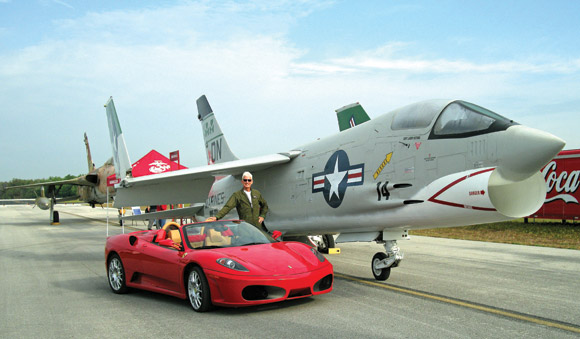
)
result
[(436, 163), (92, 187)]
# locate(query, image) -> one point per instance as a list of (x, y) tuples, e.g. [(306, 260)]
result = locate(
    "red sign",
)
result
[(174, 156), (562, 176), (112, 180)]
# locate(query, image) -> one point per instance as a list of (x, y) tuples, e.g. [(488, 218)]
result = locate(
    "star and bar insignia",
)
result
[(338, 174)]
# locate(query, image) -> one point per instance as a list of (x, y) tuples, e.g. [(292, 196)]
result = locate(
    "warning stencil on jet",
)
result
[(338, 174)]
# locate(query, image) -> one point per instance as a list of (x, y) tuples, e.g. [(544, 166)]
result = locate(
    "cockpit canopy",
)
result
[(457, 119)]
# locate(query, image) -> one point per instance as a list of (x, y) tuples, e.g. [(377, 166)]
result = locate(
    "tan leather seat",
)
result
[(175, 236), (172, 229), (215, 238)]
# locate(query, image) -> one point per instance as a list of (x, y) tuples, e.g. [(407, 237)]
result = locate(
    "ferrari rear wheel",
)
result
[(198, 290), (116, 274)]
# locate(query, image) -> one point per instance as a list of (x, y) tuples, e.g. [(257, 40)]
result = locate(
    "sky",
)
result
[(273, 71)]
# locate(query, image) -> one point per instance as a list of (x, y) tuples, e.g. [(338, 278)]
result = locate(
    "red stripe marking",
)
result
[(355, 175), (447, 203)]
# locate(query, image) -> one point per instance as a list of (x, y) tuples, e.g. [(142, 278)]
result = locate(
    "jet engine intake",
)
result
[(486, 191), (517, 199)]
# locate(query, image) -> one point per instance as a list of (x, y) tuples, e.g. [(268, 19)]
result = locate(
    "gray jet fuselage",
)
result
[(384, 173)]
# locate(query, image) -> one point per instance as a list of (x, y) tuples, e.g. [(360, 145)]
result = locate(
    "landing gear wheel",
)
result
[(198, 290), (326, 243), (117, 278), (380, 273)]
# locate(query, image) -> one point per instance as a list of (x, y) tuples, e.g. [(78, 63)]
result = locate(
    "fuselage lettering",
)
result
[(383, 191), (216, 199), (216, 150), (208, 128)]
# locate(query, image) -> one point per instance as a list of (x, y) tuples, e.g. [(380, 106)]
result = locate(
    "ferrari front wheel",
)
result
[(198, 290), (116, 273)]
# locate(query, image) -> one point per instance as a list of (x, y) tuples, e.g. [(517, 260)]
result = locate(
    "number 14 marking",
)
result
[(382, 191)]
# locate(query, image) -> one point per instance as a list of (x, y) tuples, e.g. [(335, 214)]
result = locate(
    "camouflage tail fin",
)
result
[(350, 116), (120, 154), (89, 157), (216, 146)]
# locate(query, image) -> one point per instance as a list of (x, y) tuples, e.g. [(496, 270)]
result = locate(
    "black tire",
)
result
[(380, 274), (327, 242), (116, 275), (198, 290)]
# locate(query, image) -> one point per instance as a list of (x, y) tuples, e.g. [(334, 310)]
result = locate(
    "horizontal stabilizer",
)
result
[(190, 184), (169, 214)]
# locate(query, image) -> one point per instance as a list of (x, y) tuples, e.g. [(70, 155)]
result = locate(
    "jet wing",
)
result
[(80, 181), (16, 201), (191, 184), (169, 214)]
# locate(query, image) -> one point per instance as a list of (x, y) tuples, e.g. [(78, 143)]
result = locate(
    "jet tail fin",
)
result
[(120, 154), (350, 116), (89, 157), (216, 146)]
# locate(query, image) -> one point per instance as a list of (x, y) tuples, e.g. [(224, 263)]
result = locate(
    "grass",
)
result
[(541, 233)]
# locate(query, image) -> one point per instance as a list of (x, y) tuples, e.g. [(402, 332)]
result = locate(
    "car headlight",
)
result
[(232, 264), (317, 254)]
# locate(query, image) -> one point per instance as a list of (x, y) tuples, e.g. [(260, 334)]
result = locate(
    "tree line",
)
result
[(33, 192)]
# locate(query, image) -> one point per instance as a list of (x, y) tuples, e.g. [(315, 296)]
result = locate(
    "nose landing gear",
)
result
[(382, 262)]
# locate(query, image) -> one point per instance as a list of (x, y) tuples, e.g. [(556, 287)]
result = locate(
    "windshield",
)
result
[(224, 234), (415, 116), (463, 118)]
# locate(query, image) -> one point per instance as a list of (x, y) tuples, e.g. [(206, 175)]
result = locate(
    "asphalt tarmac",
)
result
[(53, 285)]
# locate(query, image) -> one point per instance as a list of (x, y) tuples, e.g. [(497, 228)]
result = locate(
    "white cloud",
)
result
[(395, 57), (62, 3)]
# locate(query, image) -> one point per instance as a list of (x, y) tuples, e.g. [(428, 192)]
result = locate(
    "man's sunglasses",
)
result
[(247, 180)]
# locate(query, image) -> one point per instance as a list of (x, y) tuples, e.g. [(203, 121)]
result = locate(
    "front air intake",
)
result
[(260, 292), (323, 284)]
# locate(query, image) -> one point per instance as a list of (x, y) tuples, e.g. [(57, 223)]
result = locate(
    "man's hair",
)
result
[(247, 174)]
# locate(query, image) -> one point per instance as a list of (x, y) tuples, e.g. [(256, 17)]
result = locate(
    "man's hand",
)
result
[(211, 219), (260, 219)]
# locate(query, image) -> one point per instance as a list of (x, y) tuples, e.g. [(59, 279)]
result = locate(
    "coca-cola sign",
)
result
[(562, 176), (563, 184)]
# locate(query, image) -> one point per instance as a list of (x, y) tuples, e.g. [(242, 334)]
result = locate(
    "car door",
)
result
[(161, 267)]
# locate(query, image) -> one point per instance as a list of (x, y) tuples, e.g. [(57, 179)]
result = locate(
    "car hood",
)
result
[(279, 258)]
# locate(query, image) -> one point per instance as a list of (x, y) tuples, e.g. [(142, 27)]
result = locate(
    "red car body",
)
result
[(239, 270)]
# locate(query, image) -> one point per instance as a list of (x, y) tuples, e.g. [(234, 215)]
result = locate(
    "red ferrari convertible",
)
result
[(224, 263)]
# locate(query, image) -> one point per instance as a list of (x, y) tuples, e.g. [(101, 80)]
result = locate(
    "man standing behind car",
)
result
[(249, 203)]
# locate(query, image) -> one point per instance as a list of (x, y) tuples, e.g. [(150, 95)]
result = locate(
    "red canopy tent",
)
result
[(154, 163)]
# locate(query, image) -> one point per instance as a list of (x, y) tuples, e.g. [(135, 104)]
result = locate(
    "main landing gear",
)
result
[(54, 218), (382, 262)]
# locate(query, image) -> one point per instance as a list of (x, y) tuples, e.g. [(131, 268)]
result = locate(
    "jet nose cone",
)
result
[(525, 151)]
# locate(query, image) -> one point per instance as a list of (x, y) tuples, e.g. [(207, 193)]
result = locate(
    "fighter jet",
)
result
[(436, 163), (92, 187)]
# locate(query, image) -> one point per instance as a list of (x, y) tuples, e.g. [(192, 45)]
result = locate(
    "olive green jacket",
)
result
[(247, 212)]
